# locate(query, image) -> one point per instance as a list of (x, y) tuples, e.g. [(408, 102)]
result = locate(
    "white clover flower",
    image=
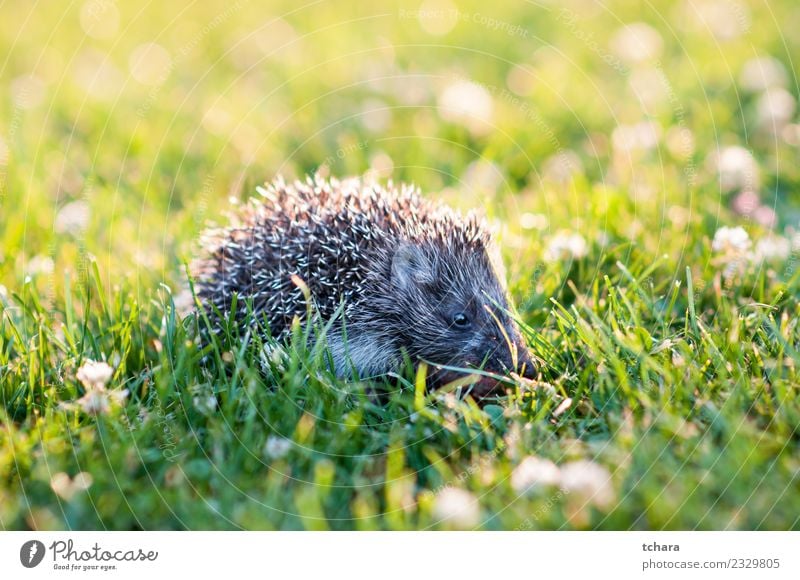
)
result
[(533, 472), (40, 265), (94, 73), (565, 246), (638, 137), (772, 248), (637, 42), (457, 507), (483, 175), (381, 165), (760, 74), (521, 81), (72, 218), (98, 400), (205, 404), (277, 447), (27, 91), (731, 241), (438, 17), (737, 168), (100, 19), (589, 480), (562, 166), (726, 19), (66, 487), (775, 109), (94, 374), (95, 402), (649, 87), (150, 64), (468, 104), (533, 221), (60, 484), (375, 116)]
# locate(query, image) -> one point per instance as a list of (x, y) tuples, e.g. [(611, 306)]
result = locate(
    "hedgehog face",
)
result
[(462, 312)]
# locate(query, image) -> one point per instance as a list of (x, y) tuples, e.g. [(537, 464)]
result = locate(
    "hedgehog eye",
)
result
[(460, 319)]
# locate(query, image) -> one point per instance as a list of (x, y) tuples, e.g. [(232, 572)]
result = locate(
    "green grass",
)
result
[(682, 371)]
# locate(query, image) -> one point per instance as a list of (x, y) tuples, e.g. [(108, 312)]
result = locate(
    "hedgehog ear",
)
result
[(410, 266)]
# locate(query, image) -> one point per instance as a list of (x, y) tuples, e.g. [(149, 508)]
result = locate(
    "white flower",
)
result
[(40, 265), (27, 91), (381, 165), (533, 221), (737, 168), (589, 480), (150, 64), (277, 447), (775, 109), (94, 374), (468, 104), (98, 400), (637, 42), (562, 166), (483, 176), (534, 471), (437, 17), (759, 74), (772, 248), (565, 246), (731, 241), (457, 507), (65, 487), (100, 18), (96, 75), (72, 218), (375, 116), (649, 87), (726, 19), (639, 137), (205, 404), (521, 81)]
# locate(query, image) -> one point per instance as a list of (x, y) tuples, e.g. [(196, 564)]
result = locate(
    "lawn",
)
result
[(639, 164)]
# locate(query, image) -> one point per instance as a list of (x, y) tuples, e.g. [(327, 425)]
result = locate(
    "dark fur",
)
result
[(400, 266)]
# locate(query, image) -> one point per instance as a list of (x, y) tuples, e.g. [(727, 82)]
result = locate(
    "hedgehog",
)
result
[(393, 276)]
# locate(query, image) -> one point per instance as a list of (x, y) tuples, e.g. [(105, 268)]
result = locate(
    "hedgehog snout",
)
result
[(512, 355), (525, 365)]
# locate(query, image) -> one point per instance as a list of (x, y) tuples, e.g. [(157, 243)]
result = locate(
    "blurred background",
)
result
[(638, 162), (126, 127)]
